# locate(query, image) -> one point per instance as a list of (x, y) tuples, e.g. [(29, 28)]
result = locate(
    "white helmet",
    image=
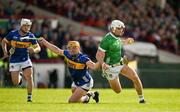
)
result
[(117, 23), (25, 22)]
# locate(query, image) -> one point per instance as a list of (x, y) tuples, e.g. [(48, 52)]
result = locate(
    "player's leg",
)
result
[(94, 95), (14, 68), (27, 72), (86, 87), (77, 95), (132, 75), (28, 75), (112, 75), (85, 98), (115, 84), (16, 78), (73, 89)]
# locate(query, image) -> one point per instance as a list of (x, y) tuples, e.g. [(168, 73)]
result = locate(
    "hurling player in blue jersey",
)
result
[(78, 65), (19, 54)]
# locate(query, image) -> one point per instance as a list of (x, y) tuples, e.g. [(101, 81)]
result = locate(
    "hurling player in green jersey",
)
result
[(109, 55)]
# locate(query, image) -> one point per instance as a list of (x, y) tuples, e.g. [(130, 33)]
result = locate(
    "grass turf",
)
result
[(55, 100)]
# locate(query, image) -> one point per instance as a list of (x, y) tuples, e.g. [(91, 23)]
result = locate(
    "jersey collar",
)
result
[(113, 35)]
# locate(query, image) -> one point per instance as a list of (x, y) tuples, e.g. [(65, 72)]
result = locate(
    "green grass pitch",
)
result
[(55, 100)]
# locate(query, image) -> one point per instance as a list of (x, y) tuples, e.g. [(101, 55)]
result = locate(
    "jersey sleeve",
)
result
[(84, 59), (104, 44), (9, 36), (65, 53)]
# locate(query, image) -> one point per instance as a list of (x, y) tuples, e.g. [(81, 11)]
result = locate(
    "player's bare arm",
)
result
[(100, 55), (5, 43), (92, 65), (34, 49), (50, 46)]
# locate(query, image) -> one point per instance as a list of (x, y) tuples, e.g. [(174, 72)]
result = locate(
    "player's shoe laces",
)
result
[(96, 96), (142, 101)]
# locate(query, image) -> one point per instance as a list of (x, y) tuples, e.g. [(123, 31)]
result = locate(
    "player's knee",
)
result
[(28, 78), (71, 101), (15, 82), (135, 78), (117, 91)]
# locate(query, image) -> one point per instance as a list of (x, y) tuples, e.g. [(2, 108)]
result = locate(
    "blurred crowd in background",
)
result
[(148, 22)]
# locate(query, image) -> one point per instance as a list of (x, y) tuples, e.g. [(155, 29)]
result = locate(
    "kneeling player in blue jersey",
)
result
[(19, 54), (78, 65)]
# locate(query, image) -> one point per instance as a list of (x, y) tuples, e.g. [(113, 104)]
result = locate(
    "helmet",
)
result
[(73, 44), (117, 23), (25, 22)]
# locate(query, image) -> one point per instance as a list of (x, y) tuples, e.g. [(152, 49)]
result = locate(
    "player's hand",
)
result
[(12, 50), (5, 56), (105, 66), (41, 40), (125, 60), (31, 50), (129, 41)]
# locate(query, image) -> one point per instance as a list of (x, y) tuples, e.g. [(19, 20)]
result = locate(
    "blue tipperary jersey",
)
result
[(20, 46), (77, 68)]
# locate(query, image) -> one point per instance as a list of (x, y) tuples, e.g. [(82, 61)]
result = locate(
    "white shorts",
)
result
[(86, 86), (112, 72), (20, 66)]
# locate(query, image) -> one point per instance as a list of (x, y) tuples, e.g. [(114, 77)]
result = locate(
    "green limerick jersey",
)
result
[(111, 45)]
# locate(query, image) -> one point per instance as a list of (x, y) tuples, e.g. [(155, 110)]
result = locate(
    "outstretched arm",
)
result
[(92, 65), (100, 55), (128, 41), (50, 46)]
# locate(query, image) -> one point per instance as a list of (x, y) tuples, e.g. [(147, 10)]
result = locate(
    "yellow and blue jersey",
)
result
[(20, 46), (77, 68)]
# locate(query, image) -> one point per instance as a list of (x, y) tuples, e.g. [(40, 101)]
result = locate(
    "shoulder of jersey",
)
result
[(13, 31)]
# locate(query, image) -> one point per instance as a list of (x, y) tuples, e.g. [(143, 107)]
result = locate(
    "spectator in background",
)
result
[(27, 12), (1, 54), (9, 10), (2, 12), (148, 17), (140, 18), (53, 78)]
